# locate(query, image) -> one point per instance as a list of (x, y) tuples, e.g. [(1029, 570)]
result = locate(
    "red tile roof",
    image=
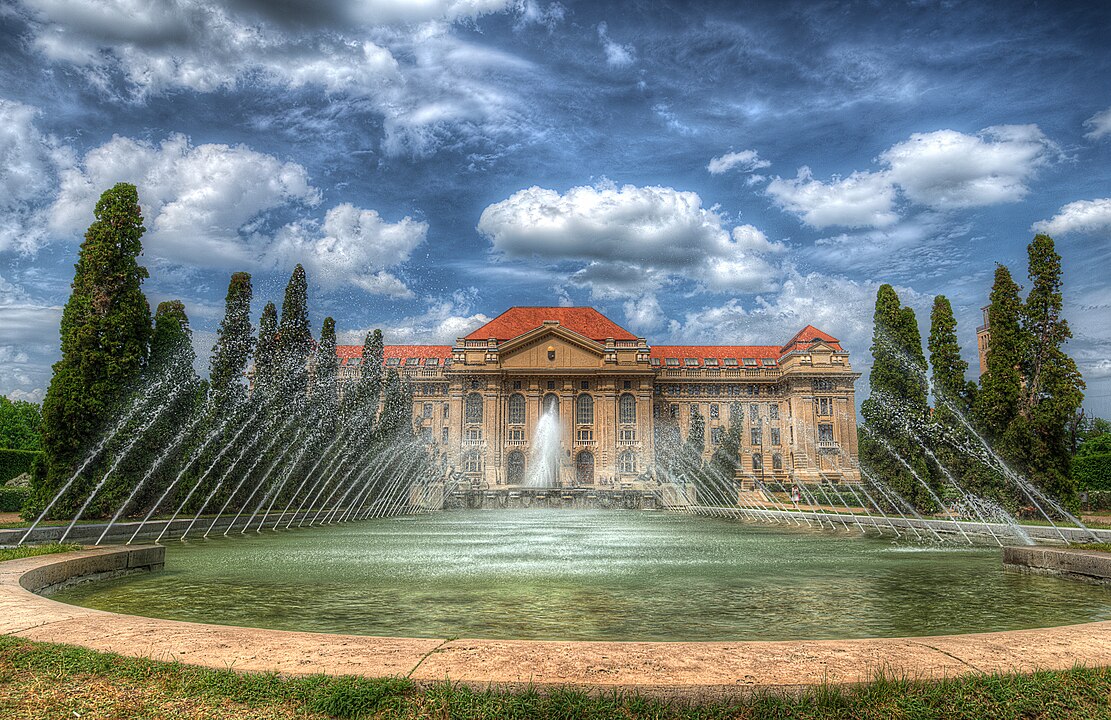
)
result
[(398, 351), (585, 321), (720, 352), (809, 335)]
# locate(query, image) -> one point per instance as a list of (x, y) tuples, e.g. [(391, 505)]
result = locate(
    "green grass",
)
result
[(1101, 547), (39, 680), (26, 551)]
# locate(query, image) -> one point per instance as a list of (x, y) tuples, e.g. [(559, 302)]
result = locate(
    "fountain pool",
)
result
[(592, 575)]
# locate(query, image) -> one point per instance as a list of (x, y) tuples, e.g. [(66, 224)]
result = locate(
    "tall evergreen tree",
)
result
[(1052, 387), (896, 412), (294, 338), (997, 401), (234, 343), (325, 366), (948, 368), (726, 460), (105, 329), (266, 356)]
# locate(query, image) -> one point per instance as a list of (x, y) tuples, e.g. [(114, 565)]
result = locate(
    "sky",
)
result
[(713, 173)]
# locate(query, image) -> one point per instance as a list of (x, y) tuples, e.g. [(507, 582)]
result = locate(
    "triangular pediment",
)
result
[(551, 346)]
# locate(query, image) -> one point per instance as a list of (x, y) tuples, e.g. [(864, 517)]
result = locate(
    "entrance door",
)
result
[(584, 469)]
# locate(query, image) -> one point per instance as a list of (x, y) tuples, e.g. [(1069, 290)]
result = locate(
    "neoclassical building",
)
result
[(479, 401)]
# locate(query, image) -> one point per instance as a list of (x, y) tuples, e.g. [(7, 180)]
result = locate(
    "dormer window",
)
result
[(769, 362), (750, 362), (432, 362), (393, 362), (654, 362), (690, 362), (710, 362), (672, 362), (730, 362), (354, 362), (412, 361)]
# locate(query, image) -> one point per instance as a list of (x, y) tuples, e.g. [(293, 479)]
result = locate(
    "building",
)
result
[(983, 337), (479, 401)]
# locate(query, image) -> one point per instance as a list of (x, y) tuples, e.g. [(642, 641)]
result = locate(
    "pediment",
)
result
[(568, 350)]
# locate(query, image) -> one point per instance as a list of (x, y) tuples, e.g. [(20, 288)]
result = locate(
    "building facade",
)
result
[(480, 401)]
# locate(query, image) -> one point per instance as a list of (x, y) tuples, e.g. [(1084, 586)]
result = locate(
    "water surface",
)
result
[(592, 575)]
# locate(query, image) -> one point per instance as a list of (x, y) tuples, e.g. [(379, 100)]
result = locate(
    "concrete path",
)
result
[(697, 671)]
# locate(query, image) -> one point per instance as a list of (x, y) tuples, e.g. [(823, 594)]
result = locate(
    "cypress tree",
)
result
[(105, 332), (897, 406), (234, 342), (997, 401), (1052, 387), (266, 356), (325, 367), (294, 338), (948, 367)]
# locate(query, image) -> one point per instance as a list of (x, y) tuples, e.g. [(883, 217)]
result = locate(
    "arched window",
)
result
[(472, 462), (515, 467), (584, 410), (551, 404), (473, 412), (777, 462), (628, 462), (516, 409), (627, 409)]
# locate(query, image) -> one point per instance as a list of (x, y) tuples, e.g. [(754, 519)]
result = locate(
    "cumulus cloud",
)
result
[(28, 342), (617, 55), (947, 170), (745, 160), (942, 170), (862, 199), (397, 59), (1100, 125), (353, 246), (1084, 216), (624, 241), (443, 321), (28, 166)]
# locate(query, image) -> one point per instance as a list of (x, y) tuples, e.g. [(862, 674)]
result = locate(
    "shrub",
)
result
[(14, 463), (12, 499), (1092, 472)]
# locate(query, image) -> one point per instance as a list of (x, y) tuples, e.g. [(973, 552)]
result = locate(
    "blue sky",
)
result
[(700, 172)]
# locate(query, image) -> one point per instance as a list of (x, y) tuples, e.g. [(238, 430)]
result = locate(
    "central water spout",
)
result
[(543, 463)]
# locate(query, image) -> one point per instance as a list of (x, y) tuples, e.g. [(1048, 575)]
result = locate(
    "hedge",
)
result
[(1092, 472), (12, 499), (16, 462)]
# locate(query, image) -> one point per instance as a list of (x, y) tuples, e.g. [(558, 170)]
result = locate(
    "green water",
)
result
[(592, 575)]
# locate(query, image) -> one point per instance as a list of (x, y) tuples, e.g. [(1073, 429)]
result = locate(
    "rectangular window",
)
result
[(775, 436), (715, 411), (426, 434), (749, 362), (584, 385), (516, 384), (443, 435), (412, 361), (753, 412), (551, 384), (628, 385), (474, 434), (584, 435), (628, 435), (710, 362), (517, 435), (654, 362), (825, 433), (773, 411), (393, 362), (736, 412), (426, 411), (825, 406), (432, 362), (674, 410), (769, 362), (690, 362), (757, 436), (671, 362), (730, 362), (447, 411), (715, 435), (757, 463)]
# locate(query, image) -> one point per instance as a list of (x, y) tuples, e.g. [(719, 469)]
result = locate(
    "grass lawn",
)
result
[(45, 681), (26, 551)]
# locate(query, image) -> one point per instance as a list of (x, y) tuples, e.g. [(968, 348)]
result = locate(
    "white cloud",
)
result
[(862, 199), (1100, 125), (442, 322), (1084, 216), (28, 165), (34, 396), (354, 246), (941, 170), (617, 55), (950, 170), (28, 342), (627, 241), (745, 160)]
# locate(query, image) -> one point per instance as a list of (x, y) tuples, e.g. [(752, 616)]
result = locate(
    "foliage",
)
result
[(324, 369), (1092, 471), (234, 343), (896, 412), (294, 341), (724, 463), (12, 499), (105, 331), (20, 425), (266, 356), (14, 463)]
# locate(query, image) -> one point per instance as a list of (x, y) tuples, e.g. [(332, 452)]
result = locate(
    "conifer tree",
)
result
[(234, 343), (725, 461), (896, 412), (266, 356), (294, 338), (1052, 387), (997, 401), (325, 367), (948, 367), (105, 329)]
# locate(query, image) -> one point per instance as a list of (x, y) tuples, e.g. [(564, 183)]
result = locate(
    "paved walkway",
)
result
[(696, 671)]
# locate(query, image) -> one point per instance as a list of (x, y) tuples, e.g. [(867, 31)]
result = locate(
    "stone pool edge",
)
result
[(1071, 564), (670, 670)]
